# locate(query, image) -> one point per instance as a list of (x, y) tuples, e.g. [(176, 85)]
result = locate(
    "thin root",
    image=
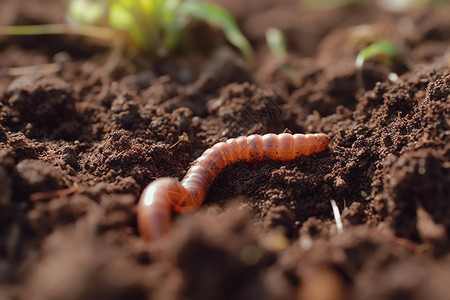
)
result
[(41, 196)]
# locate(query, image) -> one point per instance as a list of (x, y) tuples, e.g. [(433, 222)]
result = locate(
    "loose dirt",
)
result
[(78, 146)]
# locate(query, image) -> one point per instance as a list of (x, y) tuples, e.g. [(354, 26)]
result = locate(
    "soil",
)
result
[(78, 146)]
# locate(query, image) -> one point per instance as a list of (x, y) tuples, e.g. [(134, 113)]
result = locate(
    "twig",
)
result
[(97, 32), (182, 138), (40, 196), (29, 70)]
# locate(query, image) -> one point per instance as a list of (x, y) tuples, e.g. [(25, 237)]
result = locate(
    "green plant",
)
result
[(385, 51), (409, 5), (277, 44), (276, 41), (330, 4), (155, 26)]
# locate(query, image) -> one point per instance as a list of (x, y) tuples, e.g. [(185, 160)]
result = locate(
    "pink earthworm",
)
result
[(164, 195)]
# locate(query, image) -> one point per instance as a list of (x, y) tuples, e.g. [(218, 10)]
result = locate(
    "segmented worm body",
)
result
[(166, 194)]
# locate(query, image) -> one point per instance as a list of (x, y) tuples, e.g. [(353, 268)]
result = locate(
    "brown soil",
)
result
[(78, 146)]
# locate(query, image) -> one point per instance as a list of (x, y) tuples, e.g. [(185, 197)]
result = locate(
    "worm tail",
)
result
[(154, 207)]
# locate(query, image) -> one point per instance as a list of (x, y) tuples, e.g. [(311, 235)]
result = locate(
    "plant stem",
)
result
[(96, 32)]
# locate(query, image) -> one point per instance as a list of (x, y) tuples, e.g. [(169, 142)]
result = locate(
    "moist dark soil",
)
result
[(80, 143)]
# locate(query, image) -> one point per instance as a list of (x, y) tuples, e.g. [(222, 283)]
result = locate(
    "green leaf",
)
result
[(147, 6), (86, 11), (171, 24), (218, 16), (384, 48), (330, 4), (277, 43), (121, 17)]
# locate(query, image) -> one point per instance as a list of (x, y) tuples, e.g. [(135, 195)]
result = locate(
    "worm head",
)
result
[(321, 142)]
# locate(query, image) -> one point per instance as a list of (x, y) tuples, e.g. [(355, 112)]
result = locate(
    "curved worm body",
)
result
[(166, 194)]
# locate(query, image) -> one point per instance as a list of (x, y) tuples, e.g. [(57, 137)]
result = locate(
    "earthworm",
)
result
[(163, 195)]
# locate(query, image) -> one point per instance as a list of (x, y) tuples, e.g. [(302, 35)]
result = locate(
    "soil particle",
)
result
[(245, 109), (69, 157), (354, 214), (34, 176), (341, 259), (22, 148), (118, 212), (314, 279), (44, 105), (231, 257), (3, 135), (223, 68), (425, 279), (161, 90), (73, 271), (415, 179), (280, 217), (44, 218), (5, 187), (123, 155)]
